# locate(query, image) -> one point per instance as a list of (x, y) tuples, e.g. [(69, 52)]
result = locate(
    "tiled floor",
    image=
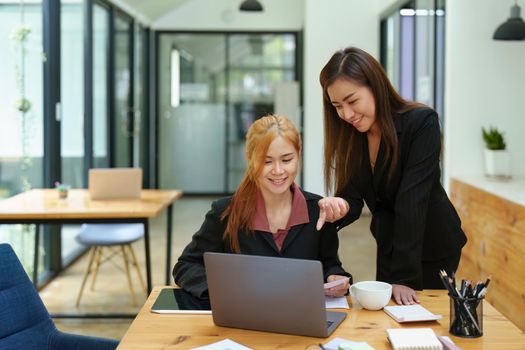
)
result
[(111, 293)]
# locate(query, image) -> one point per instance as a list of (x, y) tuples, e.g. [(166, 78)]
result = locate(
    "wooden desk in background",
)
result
[(161, 331), (42, 206)]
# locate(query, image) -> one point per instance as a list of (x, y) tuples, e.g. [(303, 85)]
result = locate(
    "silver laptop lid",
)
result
[(115, 183), (267, 293)]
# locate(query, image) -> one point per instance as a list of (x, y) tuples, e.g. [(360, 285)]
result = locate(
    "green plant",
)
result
[(493, 139)]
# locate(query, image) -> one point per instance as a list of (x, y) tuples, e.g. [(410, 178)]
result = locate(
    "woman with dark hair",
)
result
[(268, 215), (384, 150)]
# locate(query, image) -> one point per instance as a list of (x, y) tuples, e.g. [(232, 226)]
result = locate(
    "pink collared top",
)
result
[(298, 216)]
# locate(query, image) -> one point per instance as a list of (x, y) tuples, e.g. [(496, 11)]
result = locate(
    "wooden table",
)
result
[(42, 206), (161, 331)]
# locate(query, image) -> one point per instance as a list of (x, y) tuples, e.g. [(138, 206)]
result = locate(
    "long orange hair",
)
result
[(241, 209)]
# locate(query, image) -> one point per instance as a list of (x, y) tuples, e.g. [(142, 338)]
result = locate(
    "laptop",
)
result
[(269, 294), (115, 183)]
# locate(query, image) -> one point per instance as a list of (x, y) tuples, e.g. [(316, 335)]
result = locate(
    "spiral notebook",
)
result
[(413, 339)]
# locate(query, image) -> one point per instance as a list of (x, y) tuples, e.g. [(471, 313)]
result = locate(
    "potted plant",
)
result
[(497, 158)]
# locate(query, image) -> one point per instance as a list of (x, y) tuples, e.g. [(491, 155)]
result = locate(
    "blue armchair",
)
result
[(24, 320)]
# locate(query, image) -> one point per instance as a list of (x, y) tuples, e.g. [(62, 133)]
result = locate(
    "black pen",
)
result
[(477, 288), (462, 288), (321, 346), (488, 281)]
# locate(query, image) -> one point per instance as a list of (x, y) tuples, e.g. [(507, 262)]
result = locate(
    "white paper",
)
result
[(336, 303), (225, 344), (351, 345)]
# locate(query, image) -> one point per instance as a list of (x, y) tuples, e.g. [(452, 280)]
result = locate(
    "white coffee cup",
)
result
[(372, 295)]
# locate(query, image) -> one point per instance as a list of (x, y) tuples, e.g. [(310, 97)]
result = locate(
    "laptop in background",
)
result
[(269, 294), (115, 183)]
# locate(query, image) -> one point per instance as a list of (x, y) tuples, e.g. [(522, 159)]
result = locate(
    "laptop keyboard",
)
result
[(329, 323)]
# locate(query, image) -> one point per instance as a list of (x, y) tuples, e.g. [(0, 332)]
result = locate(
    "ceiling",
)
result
[(151, 9)]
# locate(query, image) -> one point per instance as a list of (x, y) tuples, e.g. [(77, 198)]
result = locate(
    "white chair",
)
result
[(117, 238)]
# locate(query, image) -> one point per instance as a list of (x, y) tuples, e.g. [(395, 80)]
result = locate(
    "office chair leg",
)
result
[(130, 284), (97, 265), (86, 273), (134, 262)]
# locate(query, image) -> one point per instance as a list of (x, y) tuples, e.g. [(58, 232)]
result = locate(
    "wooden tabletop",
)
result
[(45, 204), (161, 331)]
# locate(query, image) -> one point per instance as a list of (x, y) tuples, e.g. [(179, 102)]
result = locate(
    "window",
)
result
[(21, 134)]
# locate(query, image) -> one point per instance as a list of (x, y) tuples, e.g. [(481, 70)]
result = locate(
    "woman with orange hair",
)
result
[(268, 215)]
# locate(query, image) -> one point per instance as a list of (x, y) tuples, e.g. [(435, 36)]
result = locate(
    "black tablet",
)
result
[(177, 301)]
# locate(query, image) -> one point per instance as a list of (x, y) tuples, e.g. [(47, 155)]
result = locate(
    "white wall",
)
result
[(224, 15), (329, 26), (484, 85)]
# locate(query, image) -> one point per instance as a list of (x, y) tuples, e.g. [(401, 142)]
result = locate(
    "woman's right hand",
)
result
[(331, 209)]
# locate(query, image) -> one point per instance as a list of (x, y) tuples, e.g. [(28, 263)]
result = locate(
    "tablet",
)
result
[(178, 301)]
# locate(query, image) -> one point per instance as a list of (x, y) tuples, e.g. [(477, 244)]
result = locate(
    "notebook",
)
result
[(115, 183), (413, 339), (410, 313), (269, 294)]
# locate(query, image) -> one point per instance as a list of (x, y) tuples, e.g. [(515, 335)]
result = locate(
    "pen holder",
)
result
[(466, 317)]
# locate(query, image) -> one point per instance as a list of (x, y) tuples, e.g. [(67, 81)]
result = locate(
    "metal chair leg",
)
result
[(86, 273), (130, 284), (134, 262)]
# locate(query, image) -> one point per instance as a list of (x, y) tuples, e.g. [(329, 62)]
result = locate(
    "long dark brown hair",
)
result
[(343, 144), (260, 135)]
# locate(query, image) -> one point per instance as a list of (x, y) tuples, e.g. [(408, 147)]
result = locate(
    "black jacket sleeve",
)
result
[(189, 272), (355, 201)]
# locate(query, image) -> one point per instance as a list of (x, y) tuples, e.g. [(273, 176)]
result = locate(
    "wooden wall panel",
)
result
[(495, 228)]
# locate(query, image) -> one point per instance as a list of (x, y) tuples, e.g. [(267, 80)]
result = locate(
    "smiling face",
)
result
[(280, 167), (354, 103)]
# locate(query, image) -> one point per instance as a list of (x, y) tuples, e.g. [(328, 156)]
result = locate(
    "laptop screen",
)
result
[(115, 183)]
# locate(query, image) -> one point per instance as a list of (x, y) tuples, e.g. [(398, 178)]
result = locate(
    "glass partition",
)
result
[(72, 92), (72, 103), (122, 117), (192, 123), (21, 114), (100, 85), (425, 53), (413, 44), (257, 65), (139, 109), (212, 88)]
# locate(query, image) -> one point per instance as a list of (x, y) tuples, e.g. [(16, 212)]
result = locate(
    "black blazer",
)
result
[(302, 242), (413, 219)]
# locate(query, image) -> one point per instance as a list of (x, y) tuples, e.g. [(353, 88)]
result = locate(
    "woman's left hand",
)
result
[(339, 290), (404, 295)]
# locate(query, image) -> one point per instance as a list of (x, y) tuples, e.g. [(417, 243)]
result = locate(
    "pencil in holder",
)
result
[(466, 316)]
